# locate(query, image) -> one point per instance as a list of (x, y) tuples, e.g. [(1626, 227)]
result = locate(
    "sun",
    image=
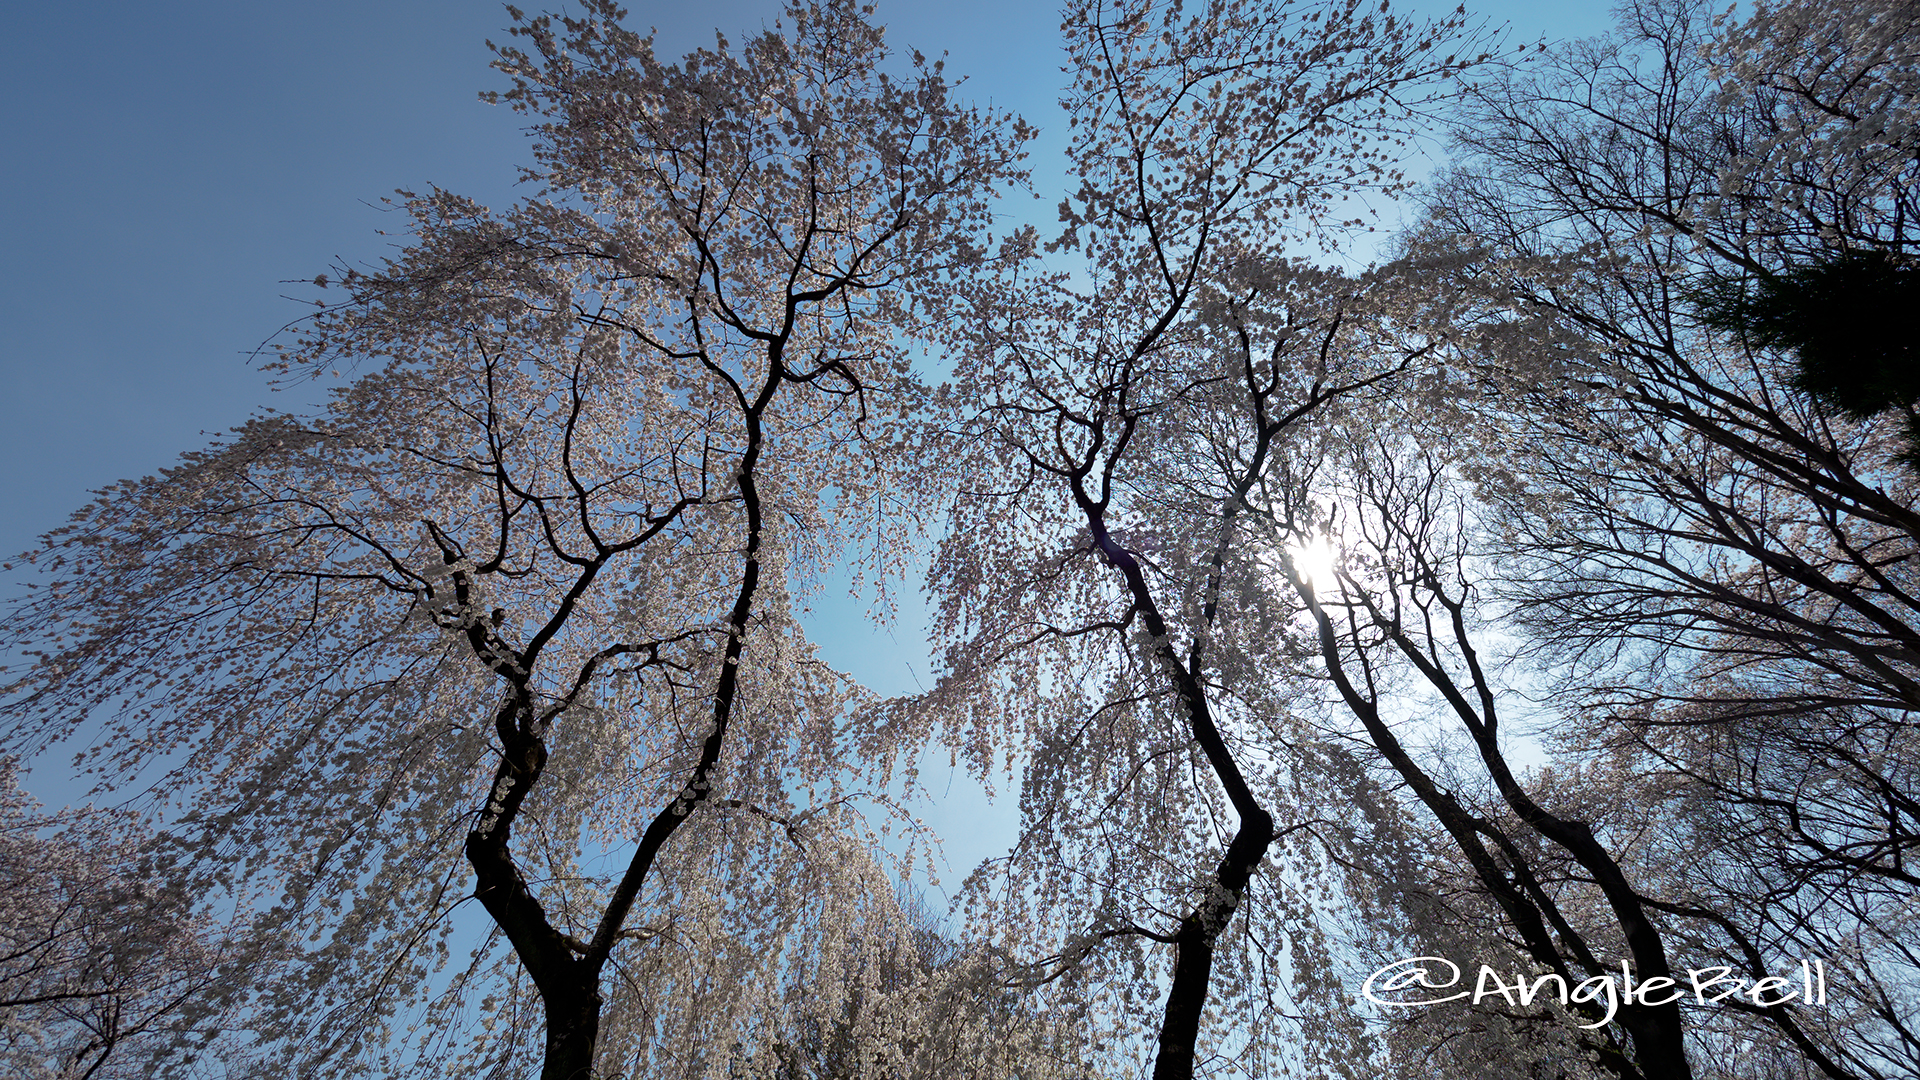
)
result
[(1313, 560)]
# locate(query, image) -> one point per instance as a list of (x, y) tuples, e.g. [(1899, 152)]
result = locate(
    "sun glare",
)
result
[(1313, 560)]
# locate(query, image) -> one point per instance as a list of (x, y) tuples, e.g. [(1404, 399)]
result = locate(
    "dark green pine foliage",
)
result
[(1850, 322)]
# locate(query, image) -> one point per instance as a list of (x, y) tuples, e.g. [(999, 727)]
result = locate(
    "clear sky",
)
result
[(172, 164)]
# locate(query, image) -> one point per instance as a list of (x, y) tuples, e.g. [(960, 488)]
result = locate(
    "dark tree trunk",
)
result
[(1201, 927), (1193, 947), (573, 1030), (1186, 1000)]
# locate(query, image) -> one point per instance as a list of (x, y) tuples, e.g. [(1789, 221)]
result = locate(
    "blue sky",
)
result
[(173, 164)]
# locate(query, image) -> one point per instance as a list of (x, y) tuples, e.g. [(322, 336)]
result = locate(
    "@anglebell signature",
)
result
[(1708, 985)]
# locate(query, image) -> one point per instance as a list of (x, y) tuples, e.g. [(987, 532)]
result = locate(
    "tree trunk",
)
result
[(573, 1029), (1186, 1000), (1193, 946)]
